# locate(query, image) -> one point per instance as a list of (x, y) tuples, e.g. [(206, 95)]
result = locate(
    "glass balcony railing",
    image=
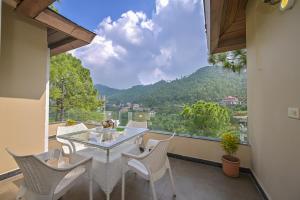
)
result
[(55, 115), (164, 120)]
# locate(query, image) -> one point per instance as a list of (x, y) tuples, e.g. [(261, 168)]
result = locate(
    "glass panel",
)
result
[(169, 119), (165, 120), (104, 138), (76, 114)]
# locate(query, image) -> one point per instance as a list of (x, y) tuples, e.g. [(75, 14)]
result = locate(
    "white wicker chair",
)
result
[(70, 147), (44, 182), (134, 124), (151, 165)]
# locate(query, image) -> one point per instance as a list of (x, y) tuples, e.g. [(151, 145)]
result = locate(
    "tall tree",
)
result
[(71, 86), (232, 60), (208, 117)]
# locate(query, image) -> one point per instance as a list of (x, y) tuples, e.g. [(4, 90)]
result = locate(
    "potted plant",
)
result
[(231, 164), (70, 122)]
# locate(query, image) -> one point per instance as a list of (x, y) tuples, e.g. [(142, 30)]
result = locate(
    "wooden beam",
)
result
[(60, 23), (232, 35), (231, 44), (55, 36), (229, 48), (31, 8), (226, 24), (230, 9), (12, 3), (67, 47), (216, 8), (63, 34), (62, 42)]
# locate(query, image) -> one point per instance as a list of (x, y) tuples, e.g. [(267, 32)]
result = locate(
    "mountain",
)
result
[(105, 90), (207, 83)]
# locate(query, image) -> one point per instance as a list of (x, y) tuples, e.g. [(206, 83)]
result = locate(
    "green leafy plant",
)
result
[(206, 116), (120, 129), (71, 122), (233, 60), (71, 86), (230, 143)]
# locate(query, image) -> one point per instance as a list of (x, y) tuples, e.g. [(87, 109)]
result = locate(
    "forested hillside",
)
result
[(207, 83), (107, 91)]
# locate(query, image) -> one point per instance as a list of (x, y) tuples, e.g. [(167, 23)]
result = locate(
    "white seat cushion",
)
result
[(139, 168)]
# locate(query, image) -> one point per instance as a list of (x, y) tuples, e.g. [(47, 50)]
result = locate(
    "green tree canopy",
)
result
[(71, 86), (206, 116), (232, 60)]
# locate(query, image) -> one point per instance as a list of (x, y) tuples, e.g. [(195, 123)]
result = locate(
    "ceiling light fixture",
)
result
[(272, 2), (286, 4), (283, 4)]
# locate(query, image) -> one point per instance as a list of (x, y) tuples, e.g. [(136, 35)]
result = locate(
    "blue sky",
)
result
[(90, 12), (139, 41)]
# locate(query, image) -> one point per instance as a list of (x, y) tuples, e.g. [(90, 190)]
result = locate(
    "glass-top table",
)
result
[(103, 139), (108, 148)]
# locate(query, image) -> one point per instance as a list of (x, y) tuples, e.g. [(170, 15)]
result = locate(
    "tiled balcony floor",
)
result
[(193, 182)]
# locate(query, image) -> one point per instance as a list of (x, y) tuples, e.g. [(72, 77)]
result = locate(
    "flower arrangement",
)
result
[(70, 122), (108, 124)]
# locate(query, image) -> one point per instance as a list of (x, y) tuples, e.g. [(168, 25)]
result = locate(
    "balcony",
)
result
[(196, 169), (31, 33)]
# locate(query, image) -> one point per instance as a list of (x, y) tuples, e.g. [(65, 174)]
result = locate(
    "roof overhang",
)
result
[(63, 34), (225, 22)]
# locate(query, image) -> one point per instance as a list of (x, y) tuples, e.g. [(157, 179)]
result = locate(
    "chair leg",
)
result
[(153, 189), (172, 182), (21, 192), (123, 186)]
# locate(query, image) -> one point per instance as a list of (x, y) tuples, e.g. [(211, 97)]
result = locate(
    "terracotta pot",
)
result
[(231, 165)]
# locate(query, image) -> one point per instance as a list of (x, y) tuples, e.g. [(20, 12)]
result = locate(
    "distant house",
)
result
[(124, 109), (135, 106), (128, 104), (140, 109), (230, 100), (152, 113)]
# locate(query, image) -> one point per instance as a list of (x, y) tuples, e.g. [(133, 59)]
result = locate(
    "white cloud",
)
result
[(136, 49), (160, 5), (164, 59), (99, 53), (150, 77)]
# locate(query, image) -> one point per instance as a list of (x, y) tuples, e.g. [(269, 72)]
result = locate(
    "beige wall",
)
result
[(273, 44), (201, 149), (23, 67)]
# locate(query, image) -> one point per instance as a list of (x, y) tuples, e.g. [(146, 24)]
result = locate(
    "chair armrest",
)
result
[(69, 146), (151, 143), (132, 156), (57, 174), (43, 157), (84, 162), (46, 155)]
